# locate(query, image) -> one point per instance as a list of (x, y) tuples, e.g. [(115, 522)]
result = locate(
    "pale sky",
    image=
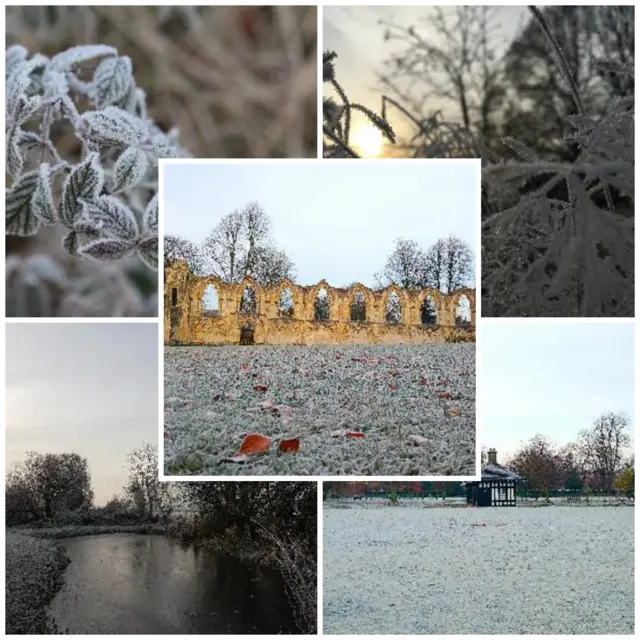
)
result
[(355, 35), (337, 220), (550, 378), (91, 389)]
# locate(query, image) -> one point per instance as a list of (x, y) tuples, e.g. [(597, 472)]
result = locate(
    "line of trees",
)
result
[(597, 460), (447, 265), (240, 245)]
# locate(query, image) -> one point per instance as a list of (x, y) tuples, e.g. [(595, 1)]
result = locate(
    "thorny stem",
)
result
[(537, 14), (346, 148)]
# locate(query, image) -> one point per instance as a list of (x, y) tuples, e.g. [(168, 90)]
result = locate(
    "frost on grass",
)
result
[(100, 199), (420, 571), (355, 410), (34, 570)]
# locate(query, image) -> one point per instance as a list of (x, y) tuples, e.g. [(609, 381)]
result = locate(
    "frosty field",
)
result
[(356, 410), (553, 570)]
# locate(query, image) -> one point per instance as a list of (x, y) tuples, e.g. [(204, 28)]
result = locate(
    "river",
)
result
[(128, 584)]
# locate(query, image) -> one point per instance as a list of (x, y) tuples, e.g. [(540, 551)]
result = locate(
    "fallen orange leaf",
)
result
[(255, 443), (290, 445), (353, 434)]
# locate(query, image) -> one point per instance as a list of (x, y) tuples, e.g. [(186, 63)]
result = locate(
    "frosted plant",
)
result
[(564, 246), (104, 197), (336, 118)]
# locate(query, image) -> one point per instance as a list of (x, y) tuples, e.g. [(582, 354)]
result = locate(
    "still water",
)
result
[(126, 583)]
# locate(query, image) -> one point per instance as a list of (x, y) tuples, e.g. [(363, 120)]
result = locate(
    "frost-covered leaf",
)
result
[(14, 56), (15, 159), (112, 81), (42, 203), (74, 55), (150, 218), (70, 243), (130, 169), (114, 127), (107, 249), (111, 217), (85, 182), (20, 219), (29, 140), (148, 250)]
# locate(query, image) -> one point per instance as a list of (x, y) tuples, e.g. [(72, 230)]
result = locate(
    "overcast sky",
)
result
[(550, 378), (355, 35), (336, 220), (91, 389)]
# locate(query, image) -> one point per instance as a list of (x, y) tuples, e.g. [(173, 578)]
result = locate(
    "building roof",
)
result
[(495, 471)]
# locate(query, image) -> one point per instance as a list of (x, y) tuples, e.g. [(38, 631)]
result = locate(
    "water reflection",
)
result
[(149, 584)]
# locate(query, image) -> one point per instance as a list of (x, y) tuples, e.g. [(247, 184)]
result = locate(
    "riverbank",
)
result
[(34, 574)]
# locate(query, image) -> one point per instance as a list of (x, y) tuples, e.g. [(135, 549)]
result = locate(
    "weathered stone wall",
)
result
[(186, 323)]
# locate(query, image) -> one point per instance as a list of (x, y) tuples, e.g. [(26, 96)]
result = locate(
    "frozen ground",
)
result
[(557, 570), (387, 395), (34, 574)]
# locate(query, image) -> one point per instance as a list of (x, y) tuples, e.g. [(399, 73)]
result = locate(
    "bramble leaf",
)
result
[(110, 216), (85, 182), (148, 250), (107, 249), (112, 81), (114, 127), (42, 203), (20, 220), (130, 169), (70, 243), (150, 218)]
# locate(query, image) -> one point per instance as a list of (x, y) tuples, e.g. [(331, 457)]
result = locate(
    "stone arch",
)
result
[(210, 300), (462, 310), (321, 304), (429, 313)]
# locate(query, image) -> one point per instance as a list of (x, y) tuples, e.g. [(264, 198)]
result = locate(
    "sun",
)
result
[(367, 140)]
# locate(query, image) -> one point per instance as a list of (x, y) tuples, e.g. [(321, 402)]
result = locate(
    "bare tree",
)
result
[(448, 265), (149, 495), (405, 266), (223, 247), (455, 61), (179, 248), (240, 246), (271, 265), (603, 446)]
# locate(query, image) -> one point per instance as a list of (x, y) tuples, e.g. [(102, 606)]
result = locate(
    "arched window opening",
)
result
[(393, 309), (321, 305), (463, 312), (358, 308), (285, 304), (248, 301), (428, 313), (210, 301)]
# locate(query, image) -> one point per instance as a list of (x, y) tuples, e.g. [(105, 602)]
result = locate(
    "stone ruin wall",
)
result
[(185, 322)]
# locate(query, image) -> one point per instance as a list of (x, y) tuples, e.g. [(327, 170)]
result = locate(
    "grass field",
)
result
[(356, 410), (554, 570)]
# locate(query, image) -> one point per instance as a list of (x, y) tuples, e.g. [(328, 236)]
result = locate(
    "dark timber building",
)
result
[(496, 487)]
